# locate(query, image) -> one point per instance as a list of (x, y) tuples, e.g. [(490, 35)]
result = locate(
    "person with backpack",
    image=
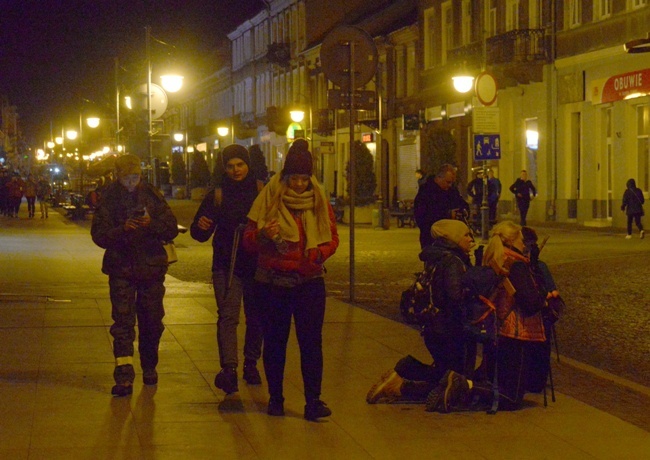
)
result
[(448, 259), (222, 215), (519, 302), (633, 206)]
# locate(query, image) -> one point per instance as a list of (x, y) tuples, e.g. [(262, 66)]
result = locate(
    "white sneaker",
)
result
[(642, 234), (628, 237)]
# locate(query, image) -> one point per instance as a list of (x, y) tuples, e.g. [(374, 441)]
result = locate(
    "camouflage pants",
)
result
[(131, 300)]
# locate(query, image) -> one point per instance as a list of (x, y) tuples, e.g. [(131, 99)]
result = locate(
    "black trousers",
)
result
[(304, 303), (637, 220), (523, 204)]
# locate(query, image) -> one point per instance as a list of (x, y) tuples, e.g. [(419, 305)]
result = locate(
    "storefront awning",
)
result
[(619, 87)]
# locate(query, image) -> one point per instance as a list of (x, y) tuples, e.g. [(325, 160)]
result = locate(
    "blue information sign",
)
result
[(487, 147)]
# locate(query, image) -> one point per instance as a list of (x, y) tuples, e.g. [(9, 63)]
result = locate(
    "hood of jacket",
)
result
[(439, 248)]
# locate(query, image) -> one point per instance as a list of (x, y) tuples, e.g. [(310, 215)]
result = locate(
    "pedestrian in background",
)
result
[(14, 195), (4, 191), (30, 195), (475, 192), (633, 206), (132, 222), (43, 192), (524, 191), (438, 198), (222, 215), (494, 194), (293, 229)]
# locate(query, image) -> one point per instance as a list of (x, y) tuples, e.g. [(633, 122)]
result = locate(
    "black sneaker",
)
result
[(226, 380), (276, 407), (435, 399), (150, 377), (316, 409), (251, 374)]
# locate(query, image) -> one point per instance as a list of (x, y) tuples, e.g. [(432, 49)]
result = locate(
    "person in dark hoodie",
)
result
[(411, 379), (222, 215), (633, 206), (132, 222)]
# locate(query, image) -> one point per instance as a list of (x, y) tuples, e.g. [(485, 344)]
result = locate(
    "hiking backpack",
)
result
[(417, 302)]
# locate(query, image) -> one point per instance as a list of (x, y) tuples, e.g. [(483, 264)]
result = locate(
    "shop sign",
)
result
[(623, 86)]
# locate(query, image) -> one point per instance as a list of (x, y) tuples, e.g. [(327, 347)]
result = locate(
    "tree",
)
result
[(437, 148), (199, 172), (178, 169), (365, 179)]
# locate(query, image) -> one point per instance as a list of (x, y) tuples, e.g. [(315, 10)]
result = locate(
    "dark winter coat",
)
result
[(433, 204), (523, 189), (452, 263), (236, 200), (134, 254), (633, 199)]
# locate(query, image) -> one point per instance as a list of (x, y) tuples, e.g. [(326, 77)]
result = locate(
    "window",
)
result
[(512, 15), (447, 30), (400, 74), (575, 13), (534, 14), (410, 69), (491, 18), (643, 146), (602, 9), (639, 3), (466, 22), (429, 38)]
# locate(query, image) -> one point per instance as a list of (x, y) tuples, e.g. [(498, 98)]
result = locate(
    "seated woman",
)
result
[(521, 332), (412, 380)]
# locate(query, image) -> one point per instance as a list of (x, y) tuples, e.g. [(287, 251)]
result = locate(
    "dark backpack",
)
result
[(480, 285), (417, 305)]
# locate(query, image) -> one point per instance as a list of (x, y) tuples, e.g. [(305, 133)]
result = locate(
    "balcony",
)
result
[(517, 46)]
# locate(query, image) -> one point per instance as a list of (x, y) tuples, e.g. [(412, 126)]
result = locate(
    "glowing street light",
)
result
[(463, 83), (223, 131)]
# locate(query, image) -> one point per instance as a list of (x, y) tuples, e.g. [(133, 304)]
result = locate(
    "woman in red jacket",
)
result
[(293, 229)]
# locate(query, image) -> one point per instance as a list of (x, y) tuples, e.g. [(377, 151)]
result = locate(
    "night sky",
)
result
[(54, 54)]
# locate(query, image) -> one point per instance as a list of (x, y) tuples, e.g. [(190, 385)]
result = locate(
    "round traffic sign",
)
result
[(486, 88), (335, 56)]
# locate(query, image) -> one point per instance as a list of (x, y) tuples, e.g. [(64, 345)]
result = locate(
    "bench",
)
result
[(403, 212)]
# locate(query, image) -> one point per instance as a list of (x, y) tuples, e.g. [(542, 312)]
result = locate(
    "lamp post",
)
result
[(172, 84)]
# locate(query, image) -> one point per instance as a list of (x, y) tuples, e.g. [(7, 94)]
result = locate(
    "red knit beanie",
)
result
[(298, 159)]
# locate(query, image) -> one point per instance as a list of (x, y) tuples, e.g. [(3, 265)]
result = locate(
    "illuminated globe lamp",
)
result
[(172, 83), (463, 83), (178, 137), (297, 115), (71, 134), (92, 122), (223, 131)]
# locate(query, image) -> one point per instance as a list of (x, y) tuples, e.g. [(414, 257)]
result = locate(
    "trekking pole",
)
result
[(550, 377), (557, 348), (233, 254)]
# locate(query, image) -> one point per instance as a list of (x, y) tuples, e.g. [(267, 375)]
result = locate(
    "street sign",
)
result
[(487, 147), (485, 119), (362, 100)]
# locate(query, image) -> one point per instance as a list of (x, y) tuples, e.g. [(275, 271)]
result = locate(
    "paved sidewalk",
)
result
[(56, 373)]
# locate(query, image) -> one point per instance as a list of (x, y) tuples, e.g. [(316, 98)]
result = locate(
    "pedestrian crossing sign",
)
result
[(487, 147)]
